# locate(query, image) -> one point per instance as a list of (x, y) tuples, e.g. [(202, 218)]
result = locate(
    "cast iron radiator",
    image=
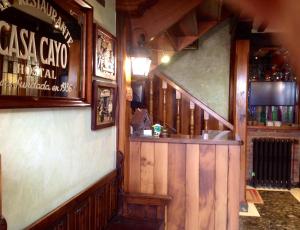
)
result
[(272, 162)]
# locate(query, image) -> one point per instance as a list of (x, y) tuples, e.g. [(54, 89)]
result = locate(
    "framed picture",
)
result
[(104, 54), (45, 75), (103, 105)]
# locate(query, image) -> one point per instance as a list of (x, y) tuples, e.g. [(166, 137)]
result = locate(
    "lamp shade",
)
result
[(140, 61)]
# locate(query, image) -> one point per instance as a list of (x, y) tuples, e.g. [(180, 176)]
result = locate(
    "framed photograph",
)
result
[(103, 105), (104, 53)]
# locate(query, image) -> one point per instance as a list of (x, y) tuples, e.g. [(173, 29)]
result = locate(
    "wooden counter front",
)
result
[(201, 176)]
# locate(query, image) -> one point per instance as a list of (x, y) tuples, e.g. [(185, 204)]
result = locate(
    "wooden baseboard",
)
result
[(91, 209)]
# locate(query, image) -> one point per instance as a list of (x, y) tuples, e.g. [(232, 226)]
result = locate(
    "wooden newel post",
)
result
[(164, 87), (178, 98), (192, 119)]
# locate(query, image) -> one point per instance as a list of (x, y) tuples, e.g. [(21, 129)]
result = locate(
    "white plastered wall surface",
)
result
[(50, 155)]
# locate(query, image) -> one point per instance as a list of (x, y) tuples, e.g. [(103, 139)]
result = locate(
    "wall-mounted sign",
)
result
[(45, 53)]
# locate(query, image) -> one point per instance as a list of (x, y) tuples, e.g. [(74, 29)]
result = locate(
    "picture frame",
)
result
[(32, 81), (104, 54), (103, 104)]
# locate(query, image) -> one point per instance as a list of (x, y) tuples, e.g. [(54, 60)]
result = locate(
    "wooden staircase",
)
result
[(177, 110), (170, 26)]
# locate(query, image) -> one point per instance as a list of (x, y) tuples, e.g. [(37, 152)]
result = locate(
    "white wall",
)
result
[(50, 155)]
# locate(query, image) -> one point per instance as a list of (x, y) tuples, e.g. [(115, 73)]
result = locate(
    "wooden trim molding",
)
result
[(91, 209)]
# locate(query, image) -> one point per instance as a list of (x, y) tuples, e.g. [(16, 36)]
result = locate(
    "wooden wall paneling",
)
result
[(161, 168), (185, 115), (91, 209), (192, 186), (241, 105), (176, 186), (147, 167), (233, 187), (80, 217), (135, 167), (207, 187), (221, 187), (99, 211)]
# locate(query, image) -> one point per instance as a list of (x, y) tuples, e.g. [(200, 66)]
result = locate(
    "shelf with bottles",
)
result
[(270, 64), (271, 115)]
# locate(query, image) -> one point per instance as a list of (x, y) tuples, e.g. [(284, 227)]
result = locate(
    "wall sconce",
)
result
[(140, 58)]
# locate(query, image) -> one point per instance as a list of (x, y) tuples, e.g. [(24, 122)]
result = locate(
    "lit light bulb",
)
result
[(165, 59)]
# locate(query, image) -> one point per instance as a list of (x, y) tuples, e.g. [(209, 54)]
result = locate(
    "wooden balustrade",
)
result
[(151, 97), (164, 87), (192, 120), (178, 98), (179, 111)]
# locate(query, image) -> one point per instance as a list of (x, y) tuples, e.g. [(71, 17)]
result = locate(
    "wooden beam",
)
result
[(162, 16), (241, 106)]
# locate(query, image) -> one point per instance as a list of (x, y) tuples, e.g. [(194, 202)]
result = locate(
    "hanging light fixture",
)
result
[(140, 58)]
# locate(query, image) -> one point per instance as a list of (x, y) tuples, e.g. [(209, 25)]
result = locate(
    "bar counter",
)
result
[(213, 138), (201, 175)]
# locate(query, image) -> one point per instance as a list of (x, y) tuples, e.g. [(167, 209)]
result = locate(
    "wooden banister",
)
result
[(184, 92)]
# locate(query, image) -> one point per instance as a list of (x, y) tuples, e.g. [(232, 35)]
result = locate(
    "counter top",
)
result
[(214, 138)]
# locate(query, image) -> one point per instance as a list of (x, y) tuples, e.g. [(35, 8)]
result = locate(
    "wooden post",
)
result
[(151, 97), (178, 98), (164, 87), (124, 81), (241, 104), (206, 118), (192, 119)]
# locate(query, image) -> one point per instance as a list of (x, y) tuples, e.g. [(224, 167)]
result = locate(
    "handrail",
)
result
[(203, 106)]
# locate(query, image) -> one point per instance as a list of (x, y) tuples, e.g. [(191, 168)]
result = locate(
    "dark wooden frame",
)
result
[(97, 30), (85, 97), (96, 86)]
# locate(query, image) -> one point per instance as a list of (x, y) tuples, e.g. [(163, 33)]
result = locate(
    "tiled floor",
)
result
[(280, 211)]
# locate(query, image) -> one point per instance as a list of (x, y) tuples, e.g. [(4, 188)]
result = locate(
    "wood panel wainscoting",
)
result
[(201, 176), (91, 209)]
